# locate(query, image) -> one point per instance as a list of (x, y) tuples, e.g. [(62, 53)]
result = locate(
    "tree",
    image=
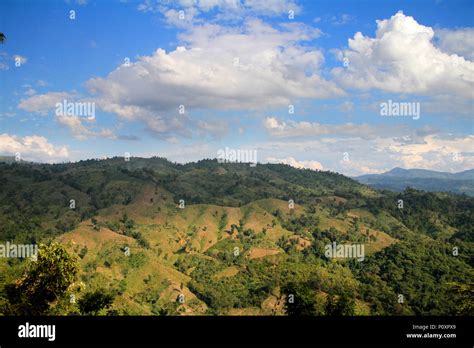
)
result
[(44, 283), (2, 37), (330, 305), (344, 305), (463, 298), (95, 224), (300, 300), (93, 302)]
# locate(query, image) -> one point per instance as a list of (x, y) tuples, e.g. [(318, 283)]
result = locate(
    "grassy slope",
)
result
[(186, 244)]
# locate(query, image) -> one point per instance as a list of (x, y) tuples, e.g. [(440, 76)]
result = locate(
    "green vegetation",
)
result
[(236, 248), (44, 283), (93, 302)]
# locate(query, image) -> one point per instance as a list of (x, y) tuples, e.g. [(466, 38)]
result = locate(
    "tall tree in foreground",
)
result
[(44, 283), (2, 37)]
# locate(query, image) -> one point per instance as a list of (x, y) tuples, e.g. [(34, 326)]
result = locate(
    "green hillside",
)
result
[(153, 237)]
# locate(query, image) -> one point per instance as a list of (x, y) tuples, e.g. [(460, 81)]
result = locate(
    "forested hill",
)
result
[(184, 223), (39, 195)]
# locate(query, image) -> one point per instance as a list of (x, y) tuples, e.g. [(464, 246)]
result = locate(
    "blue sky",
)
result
[(235, 68)]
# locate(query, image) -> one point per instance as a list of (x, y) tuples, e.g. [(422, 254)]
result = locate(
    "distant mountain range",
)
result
[(398, 179)]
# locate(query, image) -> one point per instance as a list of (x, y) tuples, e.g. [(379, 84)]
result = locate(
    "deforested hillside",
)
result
[(158, 238)]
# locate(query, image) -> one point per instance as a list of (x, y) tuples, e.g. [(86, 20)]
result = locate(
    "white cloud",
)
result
[(357, 154), (376, 155), (314, 165), (32, 148), (30, 91), (217, 128), (74, 123), (274, 68), (290, 128), (107, 133), (456, 41), (46, 103), (449, 105), (228, 9), (402, 58), (80, 131), (172, 140), (43, 103), (342, 19), (435, 152), (181, 18), (272, 7), (360, 167)]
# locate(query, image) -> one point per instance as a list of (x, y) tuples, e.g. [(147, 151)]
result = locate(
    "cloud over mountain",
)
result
[(402, 58)]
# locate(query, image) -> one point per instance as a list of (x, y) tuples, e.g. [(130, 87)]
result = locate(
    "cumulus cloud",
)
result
[(32, 148), (402, 58), (290, 128), (43, 103), (456, 41), (74, 123), (181, 18), (240, 68), (355, 155), (314, 165), (435, 152), (107, 133), (80, 131), (254, 66)]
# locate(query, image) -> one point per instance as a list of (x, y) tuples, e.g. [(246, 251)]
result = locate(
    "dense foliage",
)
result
[(244, 249)]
